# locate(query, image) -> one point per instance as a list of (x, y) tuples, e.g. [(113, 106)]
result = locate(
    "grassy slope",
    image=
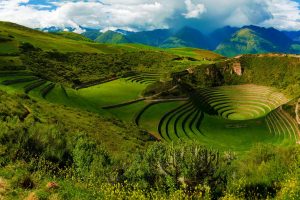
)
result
[(111, 38), (14, 35), (151, 117), (282, 72), (99, 128), (73, 36), (91, 99), (244, 41), (47, 41), (42, 40), (195, 53), (112, 92)]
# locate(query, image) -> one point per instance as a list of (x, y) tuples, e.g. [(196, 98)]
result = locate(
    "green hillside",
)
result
[(112, 37), (73, 36), (187, 37), (16, 34), (91, 33), (251, 39), (152, 38)]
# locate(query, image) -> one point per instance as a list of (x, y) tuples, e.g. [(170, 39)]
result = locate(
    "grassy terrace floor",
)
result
[(92, 98)]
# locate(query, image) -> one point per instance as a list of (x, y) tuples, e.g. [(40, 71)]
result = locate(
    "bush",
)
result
[(187, 165), (90, 160)]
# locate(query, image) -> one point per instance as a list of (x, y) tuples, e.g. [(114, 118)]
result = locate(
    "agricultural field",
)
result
[(226, 117), (93, 98)]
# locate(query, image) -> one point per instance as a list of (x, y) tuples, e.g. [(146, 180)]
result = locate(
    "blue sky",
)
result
[(136, 15), (40, 4)]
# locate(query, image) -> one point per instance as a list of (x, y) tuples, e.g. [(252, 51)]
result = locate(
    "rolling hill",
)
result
[(252, 39), (91, 33), (187, 37), (73, 36), (112, 37), (222, 34), (152, 38)]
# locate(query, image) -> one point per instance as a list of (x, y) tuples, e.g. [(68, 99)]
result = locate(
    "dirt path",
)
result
[(149, 99), (158, 94), (297, 110)]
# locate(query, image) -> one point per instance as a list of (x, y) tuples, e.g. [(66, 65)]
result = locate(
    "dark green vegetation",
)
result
[(81, 120), (280, 71)]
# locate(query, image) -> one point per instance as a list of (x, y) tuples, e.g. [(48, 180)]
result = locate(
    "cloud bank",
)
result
[(136, 15)]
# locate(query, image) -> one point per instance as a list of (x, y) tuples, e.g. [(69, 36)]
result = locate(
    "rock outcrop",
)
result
[(237, 68)]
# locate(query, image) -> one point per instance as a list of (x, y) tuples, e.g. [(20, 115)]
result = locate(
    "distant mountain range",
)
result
[(228, 41)]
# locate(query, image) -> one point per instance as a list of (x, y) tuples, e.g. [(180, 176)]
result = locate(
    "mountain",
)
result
[(293, 35), (228, 41), (124, 32), (152, 38), (165, 38), (91, 33), (188, 37), (55, 29), (112, 37), (222, 34), (253, 39)]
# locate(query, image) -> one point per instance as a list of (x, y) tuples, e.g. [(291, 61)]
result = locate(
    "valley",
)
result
[(143, 120)]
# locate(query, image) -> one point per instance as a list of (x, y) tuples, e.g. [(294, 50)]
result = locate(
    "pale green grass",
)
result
[(111, 93), (237, 135), (151, 117), (128, 113), (217, 132)]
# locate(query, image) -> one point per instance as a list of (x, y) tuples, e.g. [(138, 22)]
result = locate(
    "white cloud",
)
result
[(193, 10), (285, 15), (91, 14), (152, 14)]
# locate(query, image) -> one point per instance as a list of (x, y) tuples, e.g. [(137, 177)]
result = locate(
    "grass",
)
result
[(149, 119), (195, 53), (10, 62), (111, 93), (281, 124), (92, 98), (243, 119), (42, 40), (236, 135), (242, 102), (128, 113), (214, 131), (64, 42)]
